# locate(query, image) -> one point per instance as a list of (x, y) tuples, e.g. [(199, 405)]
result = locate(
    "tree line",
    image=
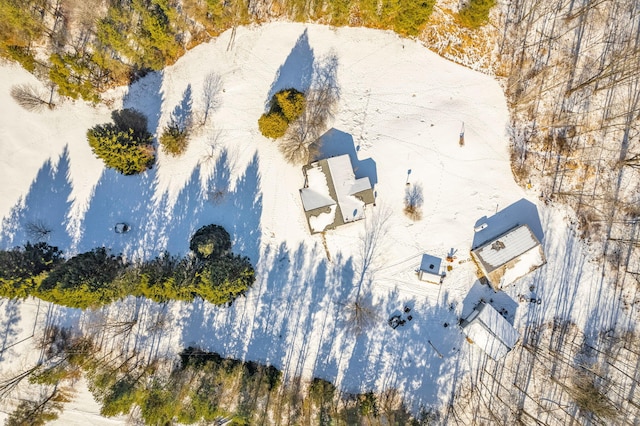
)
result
[(98, 277), (200, 388), (94, 48)]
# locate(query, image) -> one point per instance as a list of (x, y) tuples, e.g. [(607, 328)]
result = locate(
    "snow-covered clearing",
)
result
[(399, 118)]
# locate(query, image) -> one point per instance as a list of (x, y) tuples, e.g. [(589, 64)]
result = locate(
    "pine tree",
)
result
[(125, 145)]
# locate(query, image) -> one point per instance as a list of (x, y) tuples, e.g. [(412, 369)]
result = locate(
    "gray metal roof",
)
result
[(506, 247)]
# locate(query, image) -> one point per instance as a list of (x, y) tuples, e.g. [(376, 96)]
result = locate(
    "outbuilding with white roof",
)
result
[(489, 330)]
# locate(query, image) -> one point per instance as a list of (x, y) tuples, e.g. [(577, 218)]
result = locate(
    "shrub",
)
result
[(475, 13), (290, 103), (124, 145), (222, 280), (210, 242), (174, 140), (285, 107), (413, 201), (84, 280), (273, 125)]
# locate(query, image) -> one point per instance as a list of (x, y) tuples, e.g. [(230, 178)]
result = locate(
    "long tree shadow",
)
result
[(238, 210), (43, 214), (119, 199), (297, 70), (145, 95), (182, 114), (9, 324), (412, 357)]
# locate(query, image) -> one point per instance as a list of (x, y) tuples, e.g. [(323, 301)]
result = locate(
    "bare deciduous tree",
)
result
[(413, 201), (360, 315), (300, 144), (210, 95), (29, 98), (38, 230)]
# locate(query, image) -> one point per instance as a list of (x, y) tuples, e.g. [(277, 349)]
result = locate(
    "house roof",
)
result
[(506, 247), (332, 195), (490, 331), (430, 264), (317, 193)]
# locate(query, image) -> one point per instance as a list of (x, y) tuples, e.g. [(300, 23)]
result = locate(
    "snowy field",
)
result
[(400, 116)]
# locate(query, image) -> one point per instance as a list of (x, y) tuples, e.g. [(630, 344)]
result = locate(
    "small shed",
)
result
[(489, 330), (431, 269), (509, 256)]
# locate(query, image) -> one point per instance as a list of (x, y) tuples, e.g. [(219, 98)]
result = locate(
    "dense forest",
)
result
[(84, 49), (200, 388)]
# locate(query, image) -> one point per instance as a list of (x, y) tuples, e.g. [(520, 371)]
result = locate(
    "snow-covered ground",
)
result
[(400, 116)]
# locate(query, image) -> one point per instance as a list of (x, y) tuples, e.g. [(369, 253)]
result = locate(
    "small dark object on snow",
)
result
[(409, 318), (446, 324), (407, 309), (121, 228), (395, 321)]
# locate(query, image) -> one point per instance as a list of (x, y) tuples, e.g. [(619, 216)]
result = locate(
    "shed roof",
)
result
[(490, 331), (430, 264)]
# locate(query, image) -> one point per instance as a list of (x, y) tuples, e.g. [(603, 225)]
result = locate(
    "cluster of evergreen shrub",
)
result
[(284, 107), (97, 277)]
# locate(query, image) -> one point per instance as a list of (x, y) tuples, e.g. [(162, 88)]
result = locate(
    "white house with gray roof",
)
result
[(332, 195)]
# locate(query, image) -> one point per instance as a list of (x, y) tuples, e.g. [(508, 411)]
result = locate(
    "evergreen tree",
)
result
[(476, 13), (127, 150), (222, 280), (210, 242), (84, 280), (21, 269), (71, 74), (285, 107)]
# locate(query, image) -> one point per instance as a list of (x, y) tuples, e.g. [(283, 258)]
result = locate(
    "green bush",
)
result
[(285, 106), (290, 103), (174, 140), (22, 269), (222, 280), (476, 13), (210, 242), (84, 280), (124, 145), (412, 16), (273, 125)]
